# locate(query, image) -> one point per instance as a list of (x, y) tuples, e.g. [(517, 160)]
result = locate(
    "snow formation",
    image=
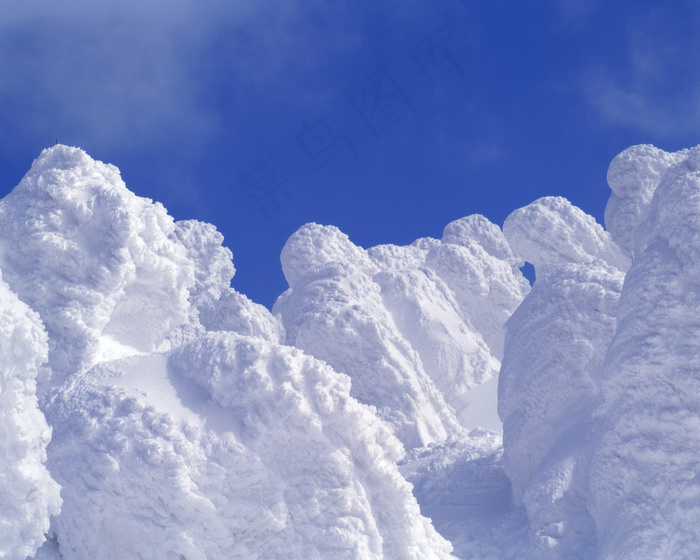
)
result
[(414, 327), (182, 427), (599, 384), (148, 410), (28, 495)]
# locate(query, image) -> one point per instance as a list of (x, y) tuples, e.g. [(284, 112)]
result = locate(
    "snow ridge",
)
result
[(416, 328), (182, 426), (148, 410), (598, 384)]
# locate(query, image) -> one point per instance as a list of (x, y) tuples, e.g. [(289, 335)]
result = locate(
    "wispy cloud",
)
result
[(656, 89), (125, 73), (104, 74)]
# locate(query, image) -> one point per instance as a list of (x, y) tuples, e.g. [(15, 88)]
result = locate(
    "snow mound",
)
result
[(28, 493), (645, 470), (633, 177), (416, 328), (335, 312), (187, 422), (229, 447), (551, 232), (110, 273), (476, 262), (598, 388), (91, 258), (215, 306), (548, 387)]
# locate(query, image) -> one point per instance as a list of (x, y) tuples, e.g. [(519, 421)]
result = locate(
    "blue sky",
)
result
[(387, 119)]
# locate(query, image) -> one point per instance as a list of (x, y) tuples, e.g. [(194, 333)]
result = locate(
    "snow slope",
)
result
[(229, 446)]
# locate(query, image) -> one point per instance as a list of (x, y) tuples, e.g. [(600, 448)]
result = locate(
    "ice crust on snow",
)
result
[(180, 420)]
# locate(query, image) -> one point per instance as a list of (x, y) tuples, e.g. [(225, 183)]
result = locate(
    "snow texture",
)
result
[(92, 259), (416, 328), (551, 232), (110, 272), (182, 427), (600, 375), (179, 420), (229, 447), (28, 494), (645, 471), (633, 177), (462, 486), (549, 383)]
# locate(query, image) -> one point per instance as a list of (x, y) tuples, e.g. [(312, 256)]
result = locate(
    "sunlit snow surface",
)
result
[(400, 402)]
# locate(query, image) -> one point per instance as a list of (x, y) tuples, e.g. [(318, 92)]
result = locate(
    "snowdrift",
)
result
[(148, 410)]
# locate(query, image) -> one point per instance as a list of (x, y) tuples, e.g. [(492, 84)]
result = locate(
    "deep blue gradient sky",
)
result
[(387, 119)]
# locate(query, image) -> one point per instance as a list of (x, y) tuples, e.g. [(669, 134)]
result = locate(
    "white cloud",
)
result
[(131, 74), (656, 89), (101, 73)]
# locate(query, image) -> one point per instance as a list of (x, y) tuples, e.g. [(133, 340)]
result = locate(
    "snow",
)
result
[(548, 387), (598, 384), (649, 415), (633, 177), (479, 407), (461, 485), (399, 402), (182, 426), (91, 258), (416, 328), (551, 232), (228, 446), (28, 494)]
